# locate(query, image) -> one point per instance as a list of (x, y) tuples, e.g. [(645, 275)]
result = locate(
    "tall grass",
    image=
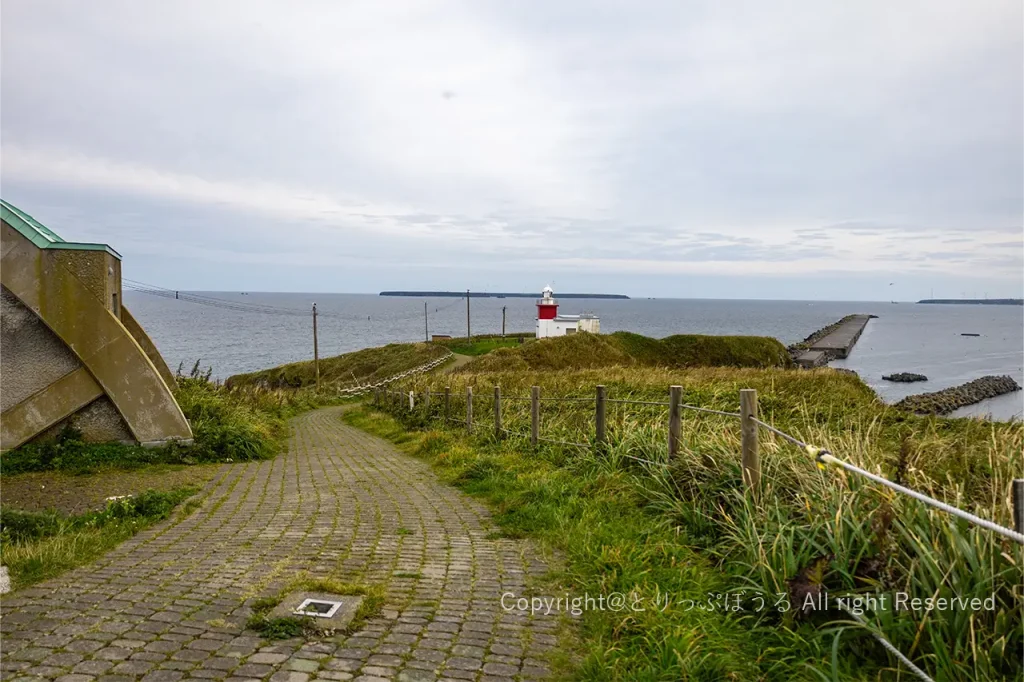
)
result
[(813, 532)]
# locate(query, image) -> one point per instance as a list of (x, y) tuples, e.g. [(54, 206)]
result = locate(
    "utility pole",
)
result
[(316, 350), (468, 337), (503, 321), (426, 329)]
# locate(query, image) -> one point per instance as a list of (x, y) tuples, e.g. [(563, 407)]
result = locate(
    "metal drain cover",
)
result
[(318, 607), (331, 611)]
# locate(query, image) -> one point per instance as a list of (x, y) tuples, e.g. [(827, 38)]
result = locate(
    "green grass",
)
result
[(483, 345), (590, 351), (596, 518), (36, 546), (339, 371), (685, 527)]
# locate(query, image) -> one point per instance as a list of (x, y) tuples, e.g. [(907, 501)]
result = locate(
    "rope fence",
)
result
[(366, 388), (750, 425)]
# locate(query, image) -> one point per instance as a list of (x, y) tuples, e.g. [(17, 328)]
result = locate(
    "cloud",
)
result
[(673, 138)]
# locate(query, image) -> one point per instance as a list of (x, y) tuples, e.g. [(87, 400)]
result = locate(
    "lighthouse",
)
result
[(550, 323)]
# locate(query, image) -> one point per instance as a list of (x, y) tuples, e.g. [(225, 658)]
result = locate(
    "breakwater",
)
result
[(951, 399), (495, 294), (904, 377), (974, 301), (831, 342)]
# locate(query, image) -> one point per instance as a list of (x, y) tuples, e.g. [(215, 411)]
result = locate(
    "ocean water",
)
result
[(906, 337)]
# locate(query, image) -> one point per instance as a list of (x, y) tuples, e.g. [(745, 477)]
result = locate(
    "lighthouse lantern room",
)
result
[(550, 323)]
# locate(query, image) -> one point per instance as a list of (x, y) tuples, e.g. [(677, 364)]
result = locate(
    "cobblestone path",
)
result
[(170, 603)]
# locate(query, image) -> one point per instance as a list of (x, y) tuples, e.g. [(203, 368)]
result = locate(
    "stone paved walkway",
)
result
[(170, 603)]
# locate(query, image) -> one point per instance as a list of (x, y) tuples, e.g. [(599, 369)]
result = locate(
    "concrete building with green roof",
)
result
[(70, 352)]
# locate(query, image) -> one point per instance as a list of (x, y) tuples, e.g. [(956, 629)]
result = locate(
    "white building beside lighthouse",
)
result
[(550, 323)]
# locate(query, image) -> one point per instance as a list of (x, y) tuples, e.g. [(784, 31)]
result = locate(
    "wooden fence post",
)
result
[(497, 412), (748, 429), (534, 415), (447, 403), (469, 408), (675, 399), (1018, 504), (600, 415), (412, 400), (426, 401)]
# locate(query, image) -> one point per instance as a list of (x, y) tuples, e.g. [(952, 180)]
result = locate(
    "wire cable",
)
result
[(888, 645), (261, 308)]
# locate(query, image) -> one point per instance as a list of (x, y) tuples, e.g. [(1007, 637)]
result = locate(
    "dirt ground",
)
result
[(78, 494)]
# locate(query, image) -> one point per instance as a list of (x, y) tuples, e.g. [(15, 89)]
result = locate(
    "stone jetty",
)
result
[(829, 343), (951, 399)]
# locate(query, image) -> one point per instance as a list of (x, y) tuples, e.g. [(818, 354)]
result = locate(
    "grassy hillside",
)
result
[(343, 370), (588, 351), (630, 520), (482, 345)]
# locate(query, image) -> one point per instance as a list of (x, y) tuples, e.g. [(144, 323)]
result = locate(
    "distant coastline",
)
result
[(497, 294), (975, 301)]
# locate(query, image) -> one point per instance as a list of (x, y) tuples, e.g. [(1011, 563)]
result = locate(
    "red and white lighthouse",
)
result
[(547, 307), (550, 323)]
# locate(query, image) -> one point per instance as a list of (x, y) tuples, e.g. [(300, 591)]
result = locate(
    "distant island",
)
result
[(488, 294), (976, 301)]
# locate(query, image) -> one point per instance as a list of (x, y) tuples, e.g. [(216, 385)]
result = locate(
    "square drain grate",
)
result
[(329, 611), (320, 608)]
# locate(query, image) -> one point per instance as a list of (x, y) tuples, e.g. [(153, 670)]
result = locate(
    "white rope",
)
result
[(888, 645), (825, 456), (357, 390), (822, 455)]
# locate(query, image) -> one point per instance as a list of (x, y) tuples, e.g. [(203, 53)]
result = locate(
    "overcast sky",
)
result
[(859, 150)]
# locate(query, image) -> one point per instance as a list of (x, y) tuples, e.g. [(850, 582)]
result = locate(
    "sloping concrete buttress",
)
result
[(71, 352)]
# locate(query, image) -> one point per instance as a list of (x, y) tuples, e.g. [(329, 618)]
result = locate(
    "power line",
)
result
[(261, 308)]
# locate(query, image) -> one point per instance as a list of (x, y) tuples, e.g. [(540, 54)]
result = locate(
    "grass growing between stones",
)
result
[(611, 545), (684, 528), (36, 546), (304, 626)]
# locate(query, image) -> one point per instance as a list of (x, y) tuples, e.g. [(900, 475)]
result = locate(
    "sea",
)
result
[(906, 337)]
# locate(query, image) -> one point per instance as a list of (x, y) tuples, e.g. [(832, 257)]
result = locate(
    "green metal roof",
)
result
[(41, 235)]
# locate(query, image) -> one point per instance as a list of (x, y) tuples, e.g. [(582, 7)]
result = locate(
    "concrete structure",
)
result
[(550, 323), (70, 352), (836, 344)]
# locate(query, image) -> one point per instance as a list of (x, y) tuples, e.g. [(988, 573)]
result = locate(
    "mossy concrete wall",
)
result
[(31, 356), (68, 357)]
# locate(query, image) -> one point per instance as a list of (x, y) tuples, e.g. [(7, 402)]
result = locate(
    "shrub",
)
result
[(240, 424)]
